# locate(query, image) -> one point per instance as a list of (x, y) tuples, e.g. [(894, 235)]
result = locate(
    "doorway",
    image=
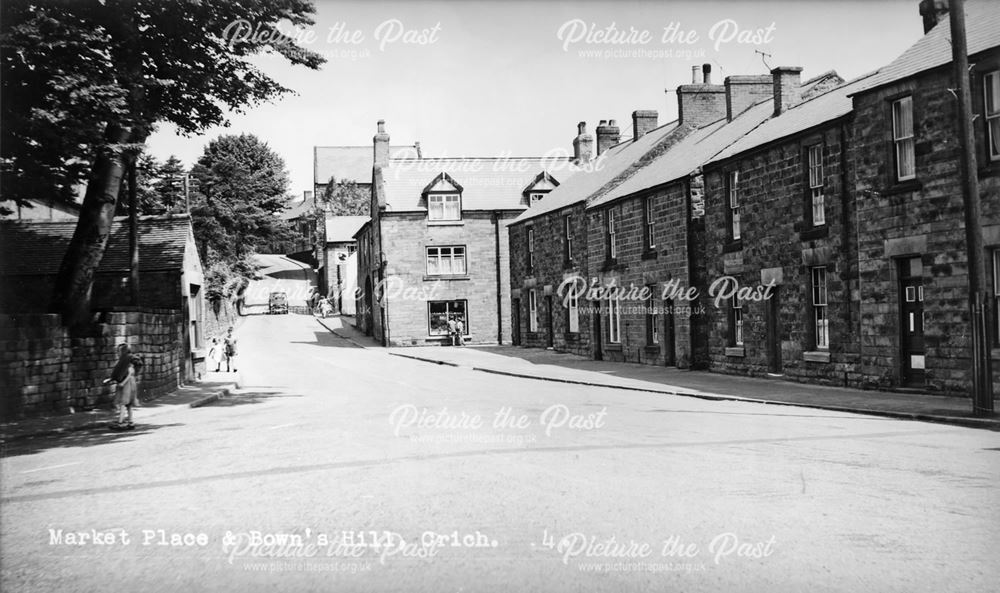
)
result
[(774, 332), (550, 323), (911, 298), (669, 334), (515, 322)]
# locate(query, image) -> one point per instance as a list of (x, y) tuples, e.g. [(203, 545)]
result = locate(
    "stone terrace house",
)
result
[(780, 219), (436, 246), (170, 272), (338, 270), (912, 252)]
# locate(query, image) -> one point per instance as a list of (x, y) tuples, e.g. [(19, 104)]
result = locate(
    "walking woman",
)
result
[(126, 391)]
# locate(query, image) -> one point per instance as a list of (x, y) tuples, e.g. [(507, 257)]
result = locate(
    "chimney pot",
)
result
[(932, 12), (786, 82), (706, 70), (381, 144), (643, 121), (608, 135), (583, 144), (695, 71)]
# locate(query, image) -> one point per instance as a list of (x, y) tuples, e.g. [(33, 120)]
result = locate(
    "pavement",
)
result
[(549, 365), (214, 387)]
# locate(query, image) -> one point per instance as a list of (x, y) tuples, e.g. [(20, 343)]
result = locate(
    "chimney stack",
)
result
[(787, 80), (742, 92), (643, 121), (607, 135), (381, 141), (700, 104), (583, 144), (932, 11)]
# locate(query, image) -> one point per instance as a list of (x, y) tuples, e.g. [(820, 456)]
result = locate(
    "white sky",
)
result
[(497, 80)]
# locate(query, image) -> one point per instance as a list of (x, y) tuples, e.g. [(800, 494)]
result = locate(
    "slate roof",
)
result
[(488, 183), (298, 209), (37, 248), (807, 114), (690, 153), (352, 162), (606, 167), (982, 30), (340, 229)]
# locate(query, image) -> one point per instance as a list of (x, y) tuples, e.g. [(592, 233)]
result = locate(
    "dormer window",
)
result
[(444, 207), (535, 197), (444, 199), (541, 185)]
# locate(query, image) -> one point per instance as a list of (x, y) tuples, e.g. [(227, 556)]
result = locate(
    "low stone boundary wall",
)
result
[(48, 369)]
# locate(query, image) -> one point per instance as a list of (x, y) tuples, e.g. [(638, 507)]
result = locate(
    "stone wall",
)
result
[(780, 243), (921, 218), (550, 269), (48, 369)]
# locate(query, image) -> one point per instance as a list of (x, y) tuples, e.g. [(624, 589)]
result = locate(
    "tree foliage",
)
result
[(84, 83), (239, 187), (346, 198)]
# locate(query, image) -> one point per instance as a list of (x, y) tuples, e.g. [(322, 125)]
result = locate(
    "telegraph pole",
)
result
[(979, 301)]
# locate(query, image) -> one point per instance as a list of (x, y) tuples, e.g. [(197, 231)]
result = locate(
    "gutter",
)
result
[(496, 239)]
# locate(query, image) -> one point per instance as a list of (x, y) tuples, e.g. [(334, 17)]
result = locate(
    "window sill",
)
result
[(430, 278), (611, 265), (435, 338), (817, 232), (651, 349), (572, 336), (613, 347), (736, 351), (445, 223), (650, 254), (990, 169), (817, 356), (732, 246), (902, 187)]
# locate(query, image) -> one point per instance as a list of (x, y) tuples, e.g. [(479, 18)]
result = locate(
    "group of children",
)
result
[(123, 376)]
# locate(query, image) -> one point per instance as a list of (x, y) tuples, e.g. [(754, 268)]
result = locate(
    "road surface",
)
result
[(330, 446)]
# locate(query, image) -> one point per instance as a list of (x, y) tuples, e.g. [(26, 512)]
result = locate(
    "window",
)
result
[(991, 99), (648, 219), (612, 249), (817, 203), (573, 312), (902, 138), (821, 315), (195, 315), (736, 323), (614, 321), (568, 238), (531, 250), (442, 311), (444, 207), (445, 261), (996, 294), (532, 310), (735, 229), (534, 198), (652, 319)]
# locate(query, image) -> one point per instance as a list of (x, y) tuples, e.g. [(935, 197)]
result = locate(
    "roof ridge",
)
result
[(651, 154)]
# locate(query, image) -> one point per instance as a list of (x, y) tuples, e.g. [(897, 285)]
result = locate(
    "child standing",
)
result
[(230, 349), (216, 354), (126, 392)]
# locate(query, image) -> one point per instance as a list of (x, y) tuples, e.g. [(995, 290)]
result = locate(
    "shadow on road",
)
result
[(86, 437), (244, 398), (330, 340)]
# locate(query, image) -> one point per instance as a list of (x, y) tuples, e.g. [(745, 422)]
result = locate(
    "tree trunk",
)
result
[(74, 284)]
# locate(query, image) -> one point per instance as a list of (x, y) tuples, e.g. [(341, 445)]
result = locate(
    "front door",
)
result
[(515, 322), (598, 346), (669, 331), (911, 297), (550, 322), (773, 333)]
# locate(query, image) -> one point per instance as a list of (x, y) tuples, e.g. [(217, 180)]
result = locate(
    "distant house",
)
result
[(351, 163), (436, 247), (170, 271), (338, 272), (45, 210)]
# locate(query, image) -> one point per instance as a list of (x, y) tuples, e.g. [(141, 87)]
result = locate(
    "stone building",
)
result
[(913, 272), (170, 274), (436, 247), (338, 272), (780, 222)]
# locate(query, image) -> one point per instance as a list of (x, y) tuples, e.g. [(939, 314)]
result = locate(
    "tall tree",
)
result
[(104, 72), (169, 187), (147, 171), (346, 198), (240, 186)]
